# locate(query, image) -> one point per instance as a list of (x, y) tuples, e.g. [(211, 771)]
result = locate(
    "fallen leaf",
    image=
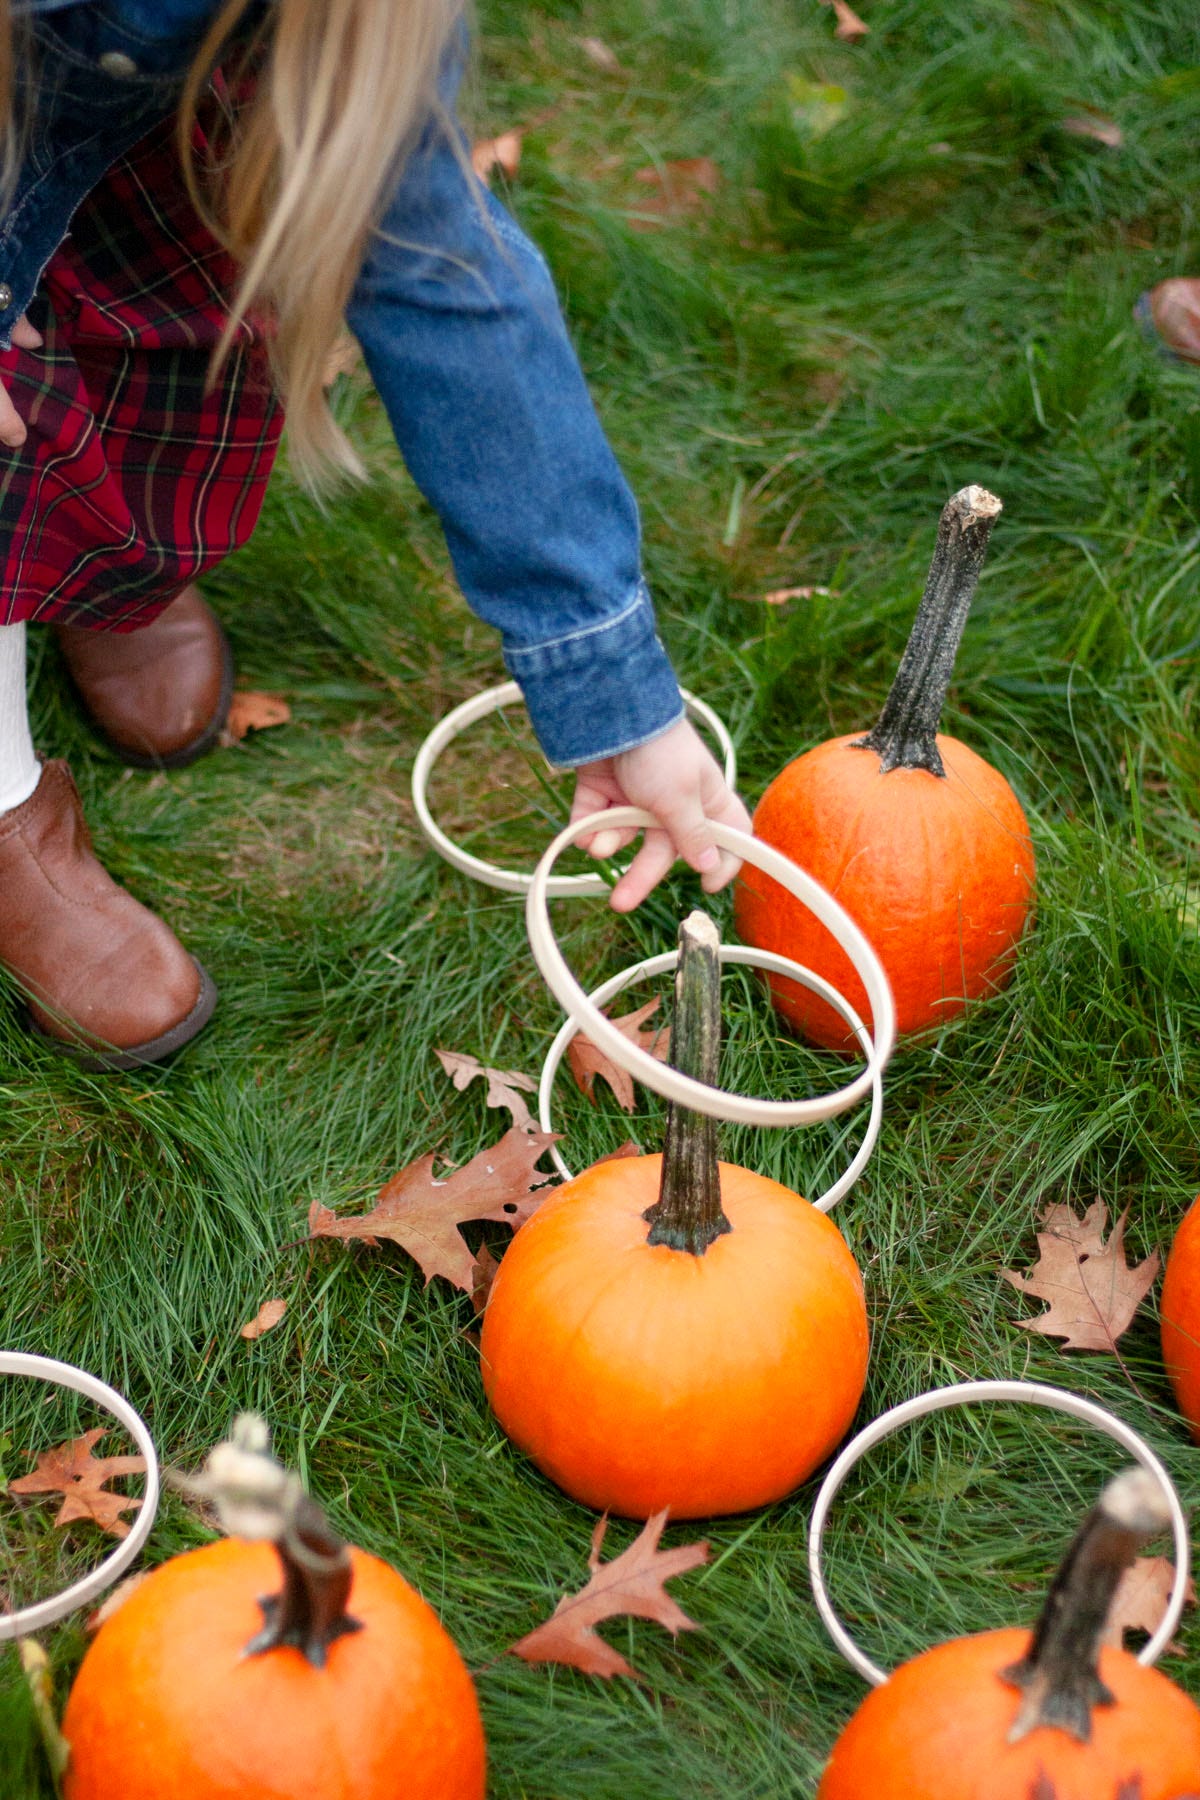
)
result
[(777, 596), (503, 153), (483, 1273), (71, 1470), (502, 1083), (599, 54), (1096, 126), (265, 1319), (628, 1148), (631, 1585), (343, 357), (250, 711), (849, 25), (422, 1215), (681, 187), (1141, 1600), (587, 1062), (114, 1601), (1091, 1292), (815, 106)]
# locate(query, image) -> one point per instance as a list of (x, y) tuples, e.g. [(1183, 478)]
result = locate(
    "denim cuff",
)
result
[(601, 689)]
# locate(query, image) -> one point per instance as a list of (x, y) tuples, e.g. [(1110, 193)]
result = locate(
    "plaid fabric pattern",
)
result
[(133, 478)]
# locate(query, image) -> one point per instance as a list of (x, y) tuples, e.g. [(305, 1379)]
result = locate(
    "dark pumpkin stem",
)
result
[(1060, 1673), (906, 735), (310, 1611), (256, 1497), (687, 1214)]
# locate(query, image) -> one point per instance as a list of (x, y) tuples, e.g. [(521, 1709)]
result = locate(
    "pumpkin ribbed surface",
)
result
[(936, 1730), (936, 870), (1180, 1313), (640, 1376), (166, 1705)]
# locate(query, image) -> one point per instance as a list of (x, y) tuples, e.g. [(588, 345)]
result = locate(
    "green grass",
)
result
[(932, 289)]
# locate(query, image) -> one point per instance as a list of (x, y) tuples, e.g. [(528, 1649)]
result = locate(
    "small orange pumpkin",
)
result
[(345, 1686), (922, 841), (670, 1331), (1180, 1314), (1008, 1716)]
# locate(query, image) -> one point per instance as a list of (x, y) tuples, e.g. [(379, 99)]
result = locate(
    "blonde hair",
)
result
[(340, 91)]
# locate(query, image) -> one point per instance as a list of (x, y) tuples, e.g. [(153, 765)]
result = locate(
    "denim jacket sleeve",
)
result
[(460, 326)]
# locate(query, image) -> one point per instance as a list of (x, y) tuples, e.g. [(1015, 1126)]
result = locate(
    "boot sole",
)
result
[(99, 1061), (179, 759)]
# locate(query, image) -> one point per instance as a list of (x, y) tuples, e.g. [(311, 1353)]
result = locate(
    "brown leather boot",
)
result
[(105, 980), (160, 695)]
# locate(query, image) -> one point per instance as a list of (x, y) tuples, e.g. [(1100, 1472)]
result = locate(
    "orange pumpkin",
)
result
[(1007, 1716), (373, 1703), (921, 840), (670, 1331), (1180, 1313)]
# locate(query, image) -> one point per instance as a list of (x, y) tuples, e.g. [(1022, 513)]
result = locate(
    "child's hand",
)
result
[(12, 426), (675, 778)]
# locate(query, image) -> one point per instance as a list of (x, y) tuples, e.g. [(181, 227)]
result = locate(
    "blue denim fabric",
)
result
[(458, 320)]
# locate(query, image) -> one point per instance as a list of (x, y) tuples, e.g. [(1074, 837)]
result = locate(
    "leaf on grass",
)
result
[(628, 1148), (265, 1319), (502, 1083), (483, 1273), (249, 711), (422, 1215), (815, 106), (71, 1470), (587, 1062), (1091, 1292), (778, 596), (630, 1585), (599, 55), (114, 1601), (1141, 1599), (344, 356), (502, 152), (680, 188), (849, 25), (1097, 126)]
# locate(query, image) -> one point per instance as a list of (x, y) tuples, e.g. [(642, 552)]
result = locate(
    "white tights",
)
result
[(20, 769)]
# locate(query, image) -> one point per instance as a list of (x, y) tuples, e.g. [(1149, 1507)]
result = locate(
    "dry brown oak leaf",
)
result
[(71, 1470), (588, 1063), (679, 188), (849, 26), (630, 1585), (268, 1316), (1091, 1291), (503, 153), (422, 1215), (502, 1084), (1141, 1601), (252, 711)]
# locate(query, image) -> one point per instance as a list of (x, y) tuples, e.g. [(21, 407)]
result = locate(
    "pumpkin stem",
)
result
[(906, 734), (256, 1497), (687, 1214), (1059, 1673)]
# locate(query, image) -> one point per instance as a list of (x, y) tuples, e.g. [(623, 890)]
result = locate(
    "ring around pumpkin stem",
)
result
[(256, 1497), (906, 734), (1060, 1672), (687, 1214)]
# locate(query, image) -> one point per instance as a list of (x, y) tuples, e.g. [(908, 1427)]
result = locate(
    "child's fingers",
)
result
[(644, 872)]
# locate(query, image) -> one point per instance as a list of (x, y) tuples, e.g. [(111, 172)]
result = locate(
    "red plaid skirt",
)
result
[(135, 476)]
